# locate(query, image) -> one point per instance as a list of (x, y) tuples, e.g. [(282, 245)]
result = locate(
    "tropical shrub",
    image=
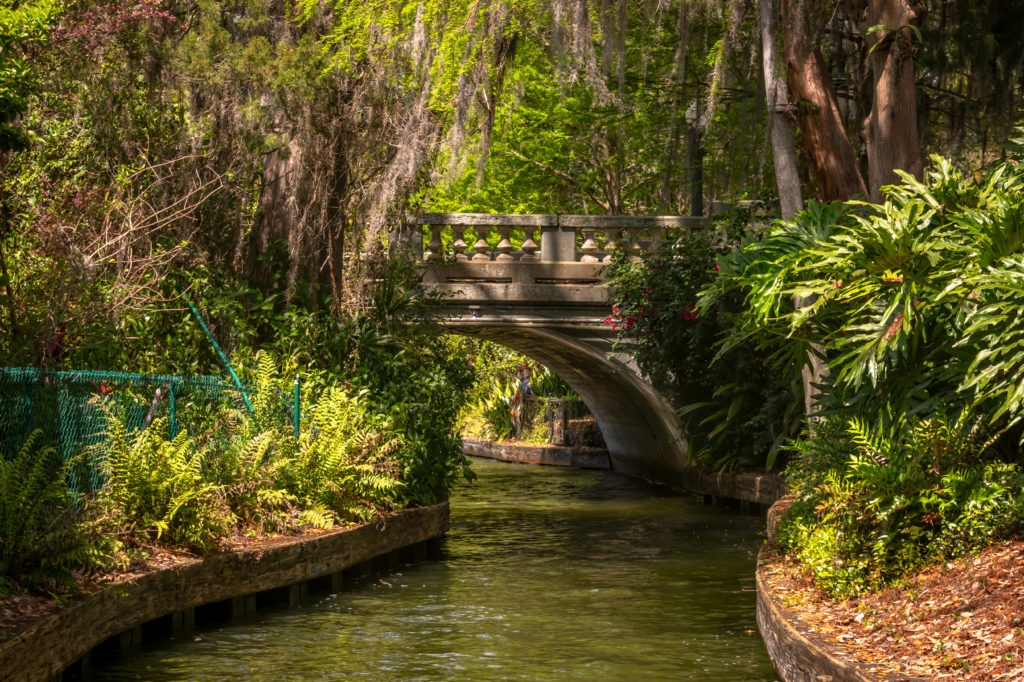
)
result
[(46, 534), (913, 303), (495, 409), (874, 503), (914, 307), (737, 408), (407, 374)]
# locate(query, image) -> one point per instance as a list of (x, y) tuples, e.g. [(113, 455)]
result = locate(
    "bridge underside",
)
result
[(638, 424)]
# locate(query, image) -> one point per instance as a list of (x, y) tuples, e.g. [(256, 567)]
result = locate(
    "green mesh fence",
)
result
[(72, 409)]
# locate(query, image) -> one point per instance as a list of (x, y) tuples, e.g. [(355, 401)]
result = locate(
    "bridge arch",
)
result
[(638, 424), (547, 301)]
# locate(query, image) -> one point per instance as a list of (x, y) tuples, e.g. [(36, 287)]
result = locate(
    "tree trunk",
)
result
[(890, 129), (274, 220), (695, 164), (780, 127), (786, 175), (829, 151)]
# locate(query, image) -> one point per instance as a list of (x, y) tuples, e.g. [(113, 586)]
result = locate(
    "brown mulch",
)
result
[(955, 621), (22, 610)]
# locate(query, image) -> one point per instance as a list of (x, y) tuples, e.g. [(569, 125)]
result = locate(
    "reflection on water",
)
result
[(546, 574)]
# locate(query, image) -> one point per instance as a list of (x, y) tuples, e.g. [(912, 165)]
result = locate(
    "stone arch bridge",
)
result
[(547, 301)]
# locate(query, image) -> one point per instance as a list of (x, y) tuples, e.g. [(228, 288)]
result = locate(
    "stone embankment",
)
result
[(552, 455), (230, 584), (757, 488), (798, 653)]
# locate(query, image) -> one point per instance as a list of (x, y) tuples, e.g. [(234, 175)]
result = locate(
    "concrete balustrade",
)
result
[(547, 238)]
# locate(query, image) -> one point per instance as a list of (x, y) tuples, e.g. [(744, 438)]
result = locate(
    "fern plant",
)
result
[(252, 464), (157, 489), (875, 502), (44, 534), (251, 471), (342, 467)]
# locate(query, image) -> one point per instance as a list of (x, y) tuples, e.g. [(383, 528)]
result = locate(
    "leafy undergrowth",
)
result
[(962, 620)]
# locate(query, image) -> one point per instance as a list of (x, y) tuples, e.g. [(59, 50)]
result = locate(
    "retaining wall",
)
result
[(553, 455), (798, 654), (47, 648)]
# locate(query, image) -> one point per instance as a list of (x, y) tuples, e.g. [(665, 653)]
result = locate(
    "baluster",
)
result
[(434, 247), (589, 247), (459, 244), (504, 245), (611, 243), (633, 246), (481, 246), (656, 234), (529, 248)]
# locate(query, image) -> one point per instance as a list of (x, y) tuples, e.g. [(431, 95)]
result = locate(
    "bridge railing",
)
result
[(546, 238)]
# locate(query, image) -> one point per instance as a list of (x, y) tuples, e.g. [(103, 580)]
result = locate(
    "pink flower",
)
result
[(717, 268)]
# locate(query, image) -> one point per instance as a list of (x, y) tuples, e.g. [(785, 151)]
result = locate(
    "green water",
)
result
[(546, 574)]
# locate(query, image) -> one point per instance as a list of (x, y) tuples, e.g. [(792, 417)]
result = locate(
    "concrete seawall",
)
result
[(552, 455), (798, 653), (232, 580), (762, 489)]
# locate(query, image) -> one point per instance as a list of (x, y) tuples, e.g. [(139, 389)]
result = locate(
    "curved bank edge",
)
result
[(797, 653), (52, 645)]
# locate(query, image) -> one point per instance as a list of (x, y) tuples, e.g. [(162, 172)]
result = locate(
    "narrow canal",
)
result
[(546, 574)]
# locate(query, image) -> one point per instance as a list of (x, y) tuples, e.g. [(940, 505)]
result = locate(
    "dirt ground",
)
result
[(956, 621)]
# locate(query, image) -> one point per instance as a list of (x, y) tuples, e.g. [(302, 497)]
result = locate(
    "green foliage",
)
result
[(156, 487), (345, 464), (914, 302), (21, 26), (252, 456), (592, 117), (490, 403), (544, 382), (44, 534), (736, 408), (874, 504), (249, 474), (404, 369), (495, 409), (915, 306)]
